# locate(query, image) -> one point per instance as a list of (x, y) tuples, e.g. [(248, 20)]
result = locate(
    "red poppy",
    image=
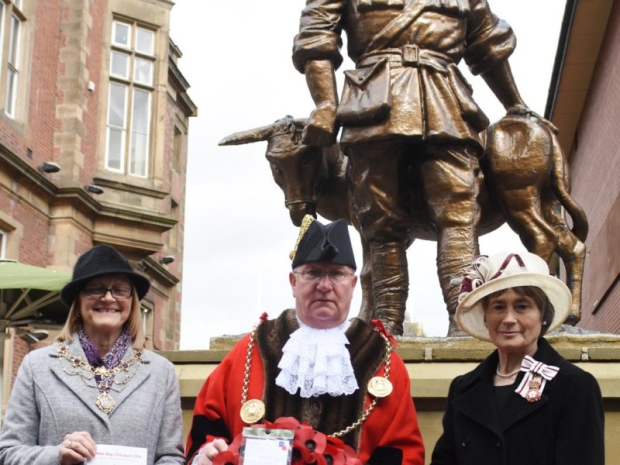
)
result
[(350, 455), (308, 444), (334, 451), (286, 423), (310, 447)]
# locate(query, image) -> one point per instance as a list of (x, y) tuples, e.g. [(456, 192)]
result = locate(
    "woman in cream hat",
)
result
[(524, 404)]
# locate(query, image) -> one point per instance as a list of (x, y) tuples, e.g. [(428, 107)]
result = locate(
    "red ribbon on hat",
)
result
[(378, 324), (506, 262), (534, 368)]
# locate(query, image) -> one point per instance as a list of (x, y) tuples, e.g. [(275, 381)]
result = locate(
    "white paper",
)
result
[(266, 452), (119, 455)]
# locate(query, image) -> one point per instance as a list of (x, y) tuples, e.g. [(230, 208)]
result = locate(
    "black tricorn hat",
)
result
[(328, 243), (98, 261)]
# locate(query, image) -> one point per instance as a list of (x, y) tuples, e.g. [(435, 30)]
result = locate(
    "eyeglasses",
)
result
[(314, 276), (119, 293)]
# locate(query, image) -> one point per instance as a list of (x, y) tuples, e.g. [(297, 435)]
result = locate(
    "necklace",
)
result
[(253, 410), (507, 375), (108, 377)]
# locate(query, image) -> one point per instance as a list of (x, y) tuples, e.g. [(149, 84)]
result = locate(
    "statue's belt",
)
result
[(408, 55)]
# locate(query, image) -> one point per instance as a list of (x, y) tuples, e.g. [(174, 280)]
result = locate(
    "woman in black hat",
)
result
[(97, 385)]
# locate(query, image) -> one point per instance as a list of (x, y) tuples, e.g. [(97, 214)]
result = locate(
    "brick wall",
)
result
[(45, 59), (65, 45), (595, 165), (91, 122)]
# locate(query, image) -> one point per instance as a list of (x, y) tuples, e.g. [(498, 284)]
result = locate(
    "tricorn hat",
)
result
[(328, 243), (503, 271), (99, 261)]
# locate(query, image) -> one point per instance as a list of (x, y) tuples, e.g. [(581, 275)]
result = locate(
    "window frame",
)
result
[(132, 135), (4, 238), (12, 21), (147, 317)]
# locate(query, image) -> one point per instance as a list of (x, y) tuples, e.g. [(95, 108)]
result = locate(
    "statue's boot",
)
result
[(454, 257), (390, 284)]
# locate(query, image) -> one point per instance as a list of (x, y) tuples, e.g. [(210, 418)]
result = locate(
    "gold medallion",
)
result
[(252, 411), (105, 402), (379, 386)]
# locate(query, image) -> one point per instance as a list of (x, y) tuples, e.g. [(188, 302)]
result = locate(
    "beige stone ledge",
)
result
[(432, 363)]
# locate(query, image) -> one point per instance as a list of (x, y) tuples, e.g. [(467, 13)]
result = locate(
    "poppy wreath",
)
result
[(310, 447)]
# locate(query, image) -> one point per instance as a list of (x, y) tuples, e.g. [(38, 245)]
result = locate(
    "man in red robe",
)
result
[(314, 364)]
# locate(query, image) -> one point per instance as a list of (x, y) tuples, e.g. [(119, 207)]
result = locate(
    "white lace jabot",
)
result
[(316, 361)]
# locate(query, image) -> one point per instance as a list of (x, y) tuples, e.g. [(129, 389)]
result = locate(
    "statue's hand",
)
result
[(322, 129), (524, 110), (519, 109)]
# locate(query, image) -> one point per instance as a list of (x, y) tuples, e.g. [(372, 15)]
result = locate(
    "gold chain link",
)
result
[(372, 405), (248, 363), (78, 364)]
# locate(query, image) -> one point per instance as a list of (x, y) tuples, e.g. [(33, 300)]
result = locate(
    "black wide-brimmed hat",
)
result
[(99, 261), (328, 243)]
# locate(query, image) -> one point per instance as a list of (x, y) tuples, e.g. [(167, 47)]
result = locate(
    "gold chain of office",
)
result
[(86, 372), (254, 410)]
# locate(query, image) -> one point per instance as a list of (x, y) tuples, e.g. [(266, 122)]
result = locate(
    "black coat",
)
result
[(565, 427)]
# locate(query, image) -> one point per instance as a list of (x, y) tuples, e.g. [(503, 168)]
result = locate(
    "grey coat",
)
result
[(47, 403)]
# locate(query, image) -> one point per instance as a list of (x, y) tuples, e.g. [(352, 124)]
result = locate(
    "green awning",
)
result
[(30, 294)]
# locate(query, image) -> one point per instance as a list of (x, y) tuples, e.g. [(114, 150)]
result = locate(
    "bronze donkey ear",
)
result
[(282, 126), (249, 136)]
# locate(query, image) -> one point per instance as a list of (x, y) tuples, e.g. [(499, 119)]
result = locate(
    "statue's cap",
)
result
[(328, 243)]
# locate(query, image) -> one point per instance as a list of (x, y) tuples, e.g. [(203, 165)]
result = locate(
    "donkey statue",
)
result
[(315, 180)]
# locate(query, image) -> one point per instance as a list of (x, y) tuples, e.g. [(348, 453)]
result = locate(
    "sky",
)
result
[(238, 234)]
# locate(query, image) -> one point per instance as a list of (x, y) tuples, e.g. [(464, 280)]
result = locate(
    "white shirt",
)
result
[(316, 361)]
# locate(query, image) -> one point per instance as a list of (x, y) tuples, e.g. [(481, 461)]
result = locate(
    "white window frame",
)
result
[(112, 73), (11, 59), (147, 315), (4, 237), (3, 7), (134, 131), (133, 87), (120, 44), (12, 66), (123, 130)]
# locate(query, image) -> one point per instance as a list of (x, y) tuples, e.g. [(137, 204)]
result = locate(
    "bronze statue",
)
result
[(315, 180), (526, 174), (407, 115)]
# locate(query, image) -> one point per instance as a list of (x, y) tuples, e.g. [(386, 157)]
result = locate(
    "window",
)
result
[(11, 18), (146, 310), (173, 234), (177, 150), (132, 65), (3, 240)]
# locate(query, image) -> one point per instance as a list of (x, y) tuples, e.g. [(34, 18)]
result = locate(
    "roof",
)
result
[(580, 41)]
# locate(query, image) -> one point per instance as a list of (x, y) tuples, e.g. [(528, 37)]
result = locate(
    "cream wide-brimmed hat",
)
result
[(503, 271)]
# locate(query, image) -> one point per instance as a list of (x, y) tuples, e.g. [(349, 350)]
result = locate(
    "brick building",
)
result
[(92, 88), (584, 102)]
